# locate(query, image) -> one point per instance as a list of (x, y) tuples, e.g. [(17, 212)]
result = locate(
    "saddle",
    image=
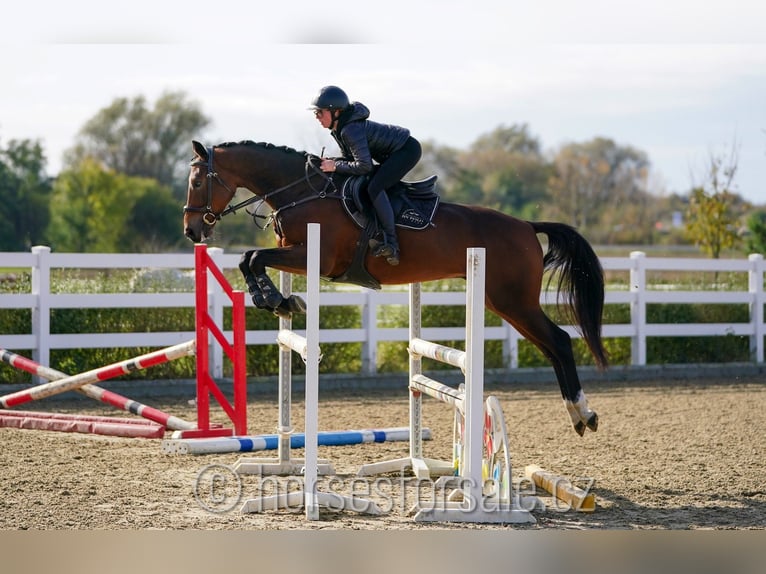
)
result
[(414, 204)]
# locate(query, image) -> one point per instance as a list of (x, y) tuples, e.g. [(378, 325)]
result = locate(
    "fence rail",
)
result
[(637, 292)]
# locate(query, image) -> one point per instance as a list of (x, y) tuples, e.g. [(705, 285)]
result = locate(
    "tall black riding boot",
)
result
[(390, 246)]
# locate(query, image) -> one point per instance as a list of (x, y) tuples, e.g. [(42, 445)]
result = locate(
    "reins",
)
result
[(211, 217)]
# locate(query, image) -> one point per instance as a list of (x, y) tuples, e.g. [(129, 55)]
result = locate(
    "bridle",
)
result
[(210, 217)]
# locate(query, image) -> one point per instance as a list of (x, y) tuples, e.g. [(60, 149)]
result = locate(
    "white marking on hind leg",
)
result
[(579, 411)]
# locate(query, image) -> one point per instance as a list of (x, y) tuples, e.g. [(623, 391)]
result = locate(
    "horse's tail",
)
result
[(580, 281)]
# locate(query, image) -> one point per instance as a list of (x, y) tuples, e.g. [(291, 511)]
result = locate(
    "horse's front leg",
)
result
[(265, 294)]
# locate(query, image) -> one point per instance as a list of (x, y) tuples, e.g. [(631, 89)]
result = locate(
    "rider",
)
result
[(361, 142)]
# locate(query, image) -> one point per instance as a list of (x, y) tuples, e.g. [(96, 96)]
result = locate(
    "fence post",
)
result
[(755, 286), (510, 346), (41, 314), (638, 307)]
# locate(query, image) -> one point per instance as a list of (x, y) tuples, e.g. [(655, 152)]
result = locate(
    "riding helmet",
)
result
[(330, 98)]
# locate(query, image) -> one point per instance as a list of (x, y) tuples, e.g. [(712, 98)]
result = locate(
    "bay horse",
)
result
[(291, 184)]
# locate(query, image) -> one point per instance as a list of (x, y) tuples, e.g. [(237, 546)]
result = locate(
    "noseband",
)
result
[(209, 216)]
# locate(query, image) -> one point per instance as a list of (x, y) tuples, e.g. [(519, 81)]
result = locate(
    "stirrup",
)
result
[(389, 251), (383, 250)]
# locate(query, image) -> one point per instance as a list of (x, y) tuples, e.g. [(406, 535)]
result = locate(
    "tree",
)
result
[(97, 210), (756, 228), (455, 183), (514, 139), (132, 139), (436, 160), (756, 237), (465, 187), (593, 181), (154, 223), (712, 223), (24, 195), (503, 169)]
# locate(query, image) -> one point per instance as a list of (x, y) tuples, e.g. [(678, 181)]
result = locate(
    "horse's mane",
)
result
[(267, 145)]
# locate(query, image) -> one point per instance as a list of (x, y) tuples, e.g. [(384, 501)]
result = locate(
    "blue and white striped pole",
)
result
[(297, 440)]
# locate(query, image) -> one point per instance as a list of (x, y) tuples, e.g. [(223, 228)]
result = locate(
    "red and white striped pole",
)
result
[(61, 422), (97, 393), (100, 374)]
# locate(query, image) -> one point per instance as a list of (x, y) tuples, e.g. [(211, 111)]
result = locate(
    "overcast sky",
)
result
[(679, 80)]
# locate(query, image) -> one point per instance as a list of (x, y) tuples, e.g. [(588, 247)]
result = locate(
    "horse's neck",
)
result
[(273, 177), (283, 183)]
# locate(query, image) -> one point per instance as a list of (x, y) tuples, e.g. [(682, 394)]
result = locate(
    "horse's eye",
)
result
[(197, 184)]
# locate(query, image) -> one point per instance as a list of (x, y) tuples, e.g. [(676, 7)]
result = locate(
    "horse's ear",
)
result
[(199, 149)]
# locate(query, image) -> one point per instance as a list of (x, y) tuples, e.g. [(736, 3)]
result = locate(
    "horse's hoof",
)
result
[(295, 304), (289, 306), (592, 423), (579, 428)]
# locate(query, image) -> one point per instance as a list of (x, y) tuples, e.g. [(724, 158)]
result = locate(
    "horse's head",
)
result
[(207, 195), (278, 176)]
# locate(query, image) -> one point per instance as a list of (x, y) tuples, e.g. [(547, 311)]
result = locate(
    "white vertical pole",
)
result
[(415, 368), (755, 286), (638, 307), (474, 388), (312, 374), (41, 314), (285, 429)]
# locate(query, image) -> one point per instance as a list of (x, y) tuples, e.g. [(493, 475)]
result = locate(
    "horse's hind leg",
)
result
[(556, 345), (564, 366)]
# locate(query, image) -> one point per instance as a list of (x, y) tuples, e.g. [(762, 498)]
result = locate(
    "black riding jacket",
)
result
[(363, 141)]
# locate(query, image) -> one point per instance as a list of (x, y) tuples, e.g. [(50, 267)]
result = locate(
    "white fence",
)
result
[(636, 291)]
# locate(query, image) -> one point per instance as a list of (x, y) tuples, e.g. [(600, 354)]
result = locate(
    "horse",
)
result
[(291, 184)]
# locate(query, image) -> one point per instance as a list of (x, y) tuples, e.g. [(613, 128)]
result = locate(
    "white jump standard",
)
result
[(284, 464), (474, 499), (310, 497)]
